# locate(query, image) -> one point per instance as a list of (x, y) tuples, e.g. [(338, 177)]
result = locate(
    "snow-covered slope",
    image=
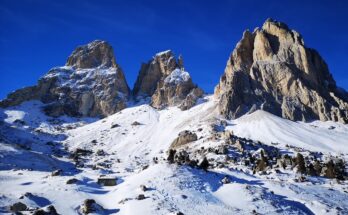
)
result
[(315, 136), (132, 145)]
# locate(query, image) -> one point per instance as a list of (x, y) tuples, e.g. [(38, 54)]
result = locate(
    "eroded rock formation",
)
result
[(272, 69), (91, 84), (165, 80)]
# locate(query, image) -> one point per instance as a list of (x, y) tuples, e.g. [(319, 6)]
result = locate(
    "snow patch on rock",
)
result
[(177, 76)]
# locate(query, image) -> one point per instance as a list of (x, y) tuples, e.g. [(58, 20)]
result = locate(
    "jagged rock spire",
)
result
[(272, 69), (164, 79)]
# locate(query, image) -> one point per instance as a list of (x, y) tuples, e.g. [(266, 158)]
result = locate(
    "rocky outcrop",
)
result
[(166, 82), (91, 84), (19, 206), (183, 138), (95, 54), (272, 69), (91, 206)]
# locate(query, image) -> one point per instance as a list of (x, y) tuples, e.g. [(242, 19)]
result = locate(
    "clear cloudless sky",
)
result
[(38, 35)]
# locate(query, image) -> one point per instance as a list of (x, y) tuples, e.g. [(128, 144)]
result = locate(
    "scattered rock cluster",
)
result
[(332, 168), (78, 154), (20, 207), (49, 210), (256, 156)]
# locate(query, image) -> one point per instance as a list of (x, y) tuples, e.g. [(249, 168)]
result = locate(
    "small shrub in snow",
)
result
[(140, 197)]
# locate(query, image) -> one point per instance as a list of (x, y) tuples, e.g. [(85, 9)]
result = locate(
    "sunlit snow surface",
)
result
[(171, 188), (177, 76)]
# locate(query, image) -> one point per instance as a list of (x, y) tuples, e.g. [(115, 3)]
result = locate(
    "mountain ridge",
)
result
[(270, 69)]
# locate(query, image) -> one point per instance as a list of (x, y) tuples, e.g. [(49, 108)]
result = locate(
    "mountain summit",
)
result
[(272, 69), (95, 54), (91, 84), (165, 80)]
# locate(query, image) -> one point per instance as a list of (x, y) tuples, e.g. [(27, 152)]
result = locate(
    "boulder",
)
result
[(143, 188), (90, 206), (204, 164), (183, 138), (115, 125), (140, 197), (239, 145), (226, 180), (49, 210), (171, 155), (135, 123), (262, 163), (72, 181), (18, 206), (107, 181), (57, 172), (300, 163), (100, 152), (334, 169)]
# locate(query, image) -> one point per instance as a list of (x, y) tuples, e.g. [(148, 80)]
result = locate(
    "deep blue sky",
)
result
[(38, 35)]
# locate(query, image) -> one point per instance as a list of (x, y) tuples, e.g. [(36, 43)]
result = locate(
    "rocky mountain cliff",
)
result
[(90, 84), (165, 80), (93, 84), (272, 69)]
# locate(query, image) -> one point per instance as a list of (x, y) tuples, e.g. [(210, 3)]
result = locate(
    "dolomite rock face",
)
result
[(91, 84), (271, 69), (95, 54), (166, 82)]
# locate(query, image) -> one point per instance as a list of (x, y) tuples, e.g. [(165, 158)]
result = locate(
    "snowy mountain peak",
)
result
[(97, 53), (91, 84), (165, 80), (166, 52)]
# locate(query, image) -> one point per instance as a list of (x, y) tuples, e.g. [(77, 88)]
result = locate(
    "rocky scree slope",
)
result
[(165, 80), (90, 84), (272, 69)]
